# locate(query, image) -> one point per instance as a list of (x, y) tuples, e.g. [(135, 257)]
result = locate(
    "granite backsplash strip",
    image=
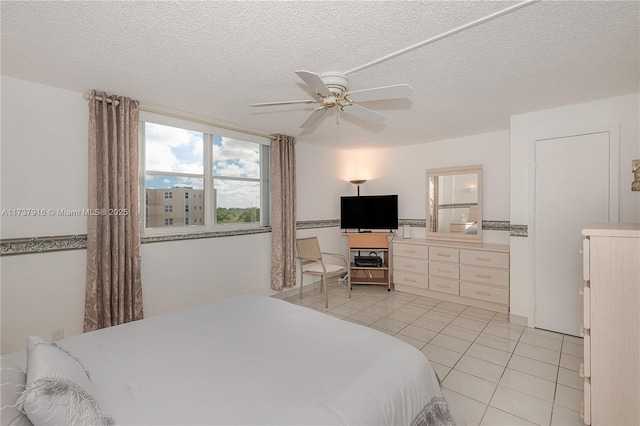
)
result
[(42, 244), (31, 245)]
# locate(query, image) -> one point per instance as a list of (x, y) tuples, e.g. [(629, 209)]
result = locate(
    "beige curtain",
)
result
[(114, 288), (283, 212)]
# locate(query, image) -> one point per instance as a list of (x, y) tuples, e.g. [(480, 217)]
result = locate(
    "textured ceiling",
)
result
[(212, 59)]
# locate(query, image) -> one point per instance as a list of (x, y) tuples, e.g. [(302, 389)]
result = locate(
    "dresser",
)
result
[(468, 273), (611, 367)]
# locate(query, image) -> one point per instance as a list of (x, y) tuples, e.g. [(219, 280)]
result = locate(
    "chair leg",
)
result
[(301, 282), (326, 297), (349, 282)]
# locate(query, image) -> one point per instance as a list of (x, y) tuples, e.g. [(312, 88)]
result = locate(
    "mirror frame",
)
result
[(448, 236)]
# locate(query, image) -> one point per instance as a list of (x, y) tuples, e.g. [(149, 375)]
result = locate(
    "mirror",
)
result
[(454, 203)]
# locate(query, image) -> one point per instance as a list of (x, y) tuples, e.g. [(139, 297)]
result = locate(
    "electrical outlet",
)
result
[(57, 335)]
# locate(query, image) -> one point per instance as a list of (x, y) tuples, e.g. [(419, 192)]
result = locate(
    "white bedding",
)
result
[(254, 360)]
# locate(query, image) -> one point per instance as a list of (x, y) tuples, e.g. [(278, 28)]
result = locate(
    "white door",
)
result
[(571, 189)]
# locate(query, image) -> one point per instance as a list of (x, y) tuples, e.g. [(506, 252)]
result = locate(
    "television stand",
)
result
[(370, 242)]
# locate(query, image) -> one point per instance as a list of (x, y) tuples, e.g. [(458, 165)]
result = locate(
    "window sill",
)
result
[(219, 232)]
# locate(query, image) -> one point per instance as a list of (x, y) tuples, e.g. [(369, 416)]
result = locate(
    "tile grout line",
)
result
[(459, 315)]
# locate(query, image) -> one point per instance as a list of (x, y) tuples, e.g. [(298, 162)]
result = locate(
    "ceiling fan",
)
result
[(332, 88), (333, 91)]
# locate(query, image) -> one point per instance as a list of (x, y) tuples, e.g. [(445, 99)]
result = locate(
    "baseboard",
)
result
[(518, 319), (296, 290)]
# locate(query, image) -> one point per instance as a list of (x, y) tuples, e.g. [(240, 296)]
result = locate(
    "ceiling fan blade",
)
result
[(380, 93), (283, 103), (314, 81), (364, 114), (315, 116)]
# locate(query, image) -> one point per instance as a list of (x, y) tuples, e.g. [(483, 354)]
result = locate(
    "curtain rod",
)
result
[(88, 96)]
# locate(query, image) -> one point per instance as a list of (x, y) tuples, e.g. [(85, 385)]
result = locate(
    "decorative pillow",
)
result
[(58, 388), (13, 383)]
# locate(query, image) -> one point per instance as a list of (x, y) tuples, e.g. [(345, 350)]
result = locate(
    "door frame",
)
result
[(614, 194)]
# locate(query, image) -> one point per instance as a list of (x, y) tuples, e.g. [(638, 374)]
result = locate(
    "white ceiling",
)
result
[(212, 59)]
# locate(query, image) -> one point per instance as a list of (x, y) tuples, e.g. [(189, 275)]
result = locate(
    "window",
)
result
[(168, 221), (222, 175)]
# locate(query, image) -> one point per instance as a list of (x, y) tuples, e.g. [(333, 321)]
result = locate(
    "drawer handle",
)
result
[(444, 270), (582, 330), (483, 293), (443, 255), (581, 291), (487, 276), (443, 286), (409, 251), (484, 259), (582, 369), (409, 265), (411, 280), (582, 409)]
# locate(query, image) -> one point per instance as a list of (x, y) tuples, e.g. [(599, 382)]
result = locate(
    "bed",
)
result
[(252, 360)]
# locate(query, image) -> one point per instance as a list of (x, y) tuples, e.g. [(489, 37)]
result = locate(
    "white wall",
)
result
[(44, 165), (403, 171), (44, 157), (623, 111), (320, 182)]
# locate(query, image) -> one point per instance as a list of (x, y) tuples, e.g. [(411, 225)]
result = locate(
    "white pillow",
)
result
[(13, 383), (58, 388)]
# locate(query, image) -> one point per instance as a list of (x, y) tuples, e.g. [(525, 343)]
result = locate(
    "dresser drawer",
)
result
[(484, 275), (410, 250), (410, 279), (444, 254), (420, 266), (444, 285), (445, 270), (485, 292), (485, 258)]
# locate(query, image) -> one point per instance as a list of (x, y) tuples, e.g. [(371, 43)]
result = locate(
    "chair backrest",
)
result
[(308, 248)]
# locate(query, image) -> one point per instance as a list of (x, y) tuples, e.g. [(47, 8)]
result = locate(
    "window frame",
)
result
[(208, 131)]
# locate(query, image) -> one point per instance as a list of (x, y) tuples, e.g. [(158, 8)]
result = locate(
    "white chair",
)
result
[(311, 263)]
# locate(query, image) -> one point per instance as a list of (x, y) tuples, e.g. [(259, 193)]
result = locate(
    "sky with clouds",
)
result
[(171, 149)]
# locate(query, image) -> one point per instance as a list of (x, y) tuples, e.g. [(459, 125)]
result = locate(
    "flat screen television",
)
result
[(369, 212)]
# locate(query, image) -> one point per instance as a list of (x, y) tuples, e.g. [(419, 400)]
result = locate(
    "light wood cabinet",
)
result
[(363, 244), (611, 366), (468, 273)]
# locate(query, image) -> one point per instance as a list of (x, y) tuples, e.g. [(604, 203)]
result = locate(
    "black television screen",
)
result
[(369, 212)]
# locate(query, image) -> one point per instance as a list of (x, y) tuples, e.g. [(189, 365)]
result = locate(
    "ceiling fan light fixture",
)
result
[(330, 101), (336, 82)]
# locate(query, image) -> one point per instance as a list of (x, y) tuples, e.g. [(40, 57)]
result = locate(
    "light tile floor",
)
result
[(494, 372)]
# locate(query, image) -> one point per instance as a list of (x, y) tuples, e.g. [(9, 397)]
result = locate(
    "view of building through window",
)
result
[(176, 178)]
